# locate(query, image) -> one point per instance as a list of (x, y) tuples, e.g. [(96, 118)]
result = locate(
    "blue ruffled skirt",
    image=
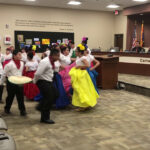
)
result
[(93, 74), (63, 99)]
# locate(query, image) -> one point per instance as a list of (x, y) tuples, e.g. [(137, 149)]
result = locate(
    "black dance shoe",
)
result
[(23, 113), (47, 121), (7, 111)]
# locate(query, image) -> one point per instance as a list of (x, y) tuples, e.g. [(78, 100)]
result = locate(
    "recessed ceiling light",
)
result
[(140, 0), (74, 3), (30, 0), (113, 6)]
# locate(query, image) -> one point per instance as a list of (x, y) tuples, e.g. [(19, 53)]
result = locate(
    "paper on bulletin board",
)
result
[(58, 41), (36, 39), (28, 41), (38, 43), (45, 41), (22, 45), (20, 38), (65, 41)]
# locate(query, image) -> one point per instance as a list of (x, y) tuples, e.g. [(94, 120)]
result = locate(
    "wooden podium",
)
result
[(108, 71)]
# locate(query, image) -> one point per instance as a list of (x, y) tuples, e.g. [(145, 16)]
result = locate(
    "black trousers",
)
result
[(49, 94), (12, 91), (1, 92)]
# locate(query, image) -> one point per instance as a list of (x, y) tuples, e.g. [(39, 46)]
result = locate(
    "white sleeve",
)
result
[(89, 51), (71, 52), (92, 57), (64, 59), (40, 70), (4, 74), (83, 58), (26, 64), (38, 59), (2, 58)]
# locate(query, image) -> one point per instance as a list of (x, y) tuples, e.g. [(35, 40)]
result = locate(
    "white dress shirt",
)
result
[(44, 71), (2, 59), (57, 66), (12, 70)]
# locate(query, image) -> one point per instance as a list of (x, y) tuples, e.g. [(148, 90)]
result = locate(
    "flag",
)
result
[(134, 37), (142, 35)]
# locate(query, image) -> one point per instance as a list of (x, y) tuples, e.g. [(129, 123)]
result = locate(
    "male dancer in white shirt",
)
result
[(14, 68), (44, 78)]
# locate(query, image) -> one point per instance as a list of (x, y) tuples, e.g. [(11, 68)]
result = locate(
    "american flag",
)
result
[(134, 37)]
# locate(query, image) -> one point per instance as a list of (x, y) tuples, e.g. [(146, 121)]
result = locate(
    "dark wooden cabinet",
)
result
[(108, 71)]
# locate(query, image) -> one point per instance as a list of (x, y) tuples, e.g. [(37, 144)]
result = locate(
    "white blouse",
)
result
[(8, 57), (79, 61), (32, 65), (65, 60), (36, 58), (90, 59)]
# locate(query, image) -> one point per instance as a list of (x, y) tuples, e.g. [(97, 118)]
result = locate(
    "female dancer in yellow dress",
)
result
[(84, 93)]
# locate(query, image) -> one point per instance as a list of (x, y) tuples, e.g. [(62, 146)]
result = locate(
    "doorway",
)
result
[(119, 41)]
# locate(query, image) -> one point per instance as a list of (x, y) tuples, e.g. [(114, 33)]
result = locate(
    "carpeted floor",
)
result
[(120, 121)]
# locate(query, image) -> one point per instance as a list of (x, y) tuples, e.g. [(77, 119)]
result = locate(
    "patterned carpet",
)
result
[(143, 81), (120, 121)]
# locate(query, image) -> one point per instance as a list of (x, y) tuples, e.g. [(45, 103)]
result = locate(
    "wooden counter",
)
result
[(131, 63), (108, 71)]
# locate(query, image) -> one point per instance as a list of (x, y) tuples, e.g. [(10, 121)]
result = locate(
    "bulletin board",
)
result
[(40, 40)]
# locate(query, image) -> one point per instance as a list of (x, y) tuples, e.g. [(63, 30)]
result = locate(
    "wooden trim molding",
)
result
[(145, 8)]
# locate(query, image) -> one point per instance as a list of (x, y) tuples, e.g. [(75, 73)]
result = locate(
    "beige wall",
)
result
[(121, 27), (98, 26)]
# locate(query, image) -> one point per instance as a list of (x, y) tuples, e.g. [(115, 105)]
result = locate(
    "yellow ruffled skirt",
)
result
[(84, 93)]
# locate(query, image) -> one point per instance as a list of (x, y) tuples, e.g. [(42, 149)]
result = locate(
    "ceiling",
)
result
[(99, 5)]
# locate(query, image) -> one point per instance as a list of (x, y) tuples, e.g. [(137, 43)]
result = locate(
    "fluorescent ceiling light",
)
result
[(30, 0), (140, 0), (113, 6), (74, 3)]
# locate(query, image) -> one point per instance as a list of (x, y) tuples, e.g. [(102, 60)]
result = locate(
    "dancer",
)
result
[(30, 90), (72, 49), (44, 80), (62, 101), (24, 55), (91, 70), (65, 59), (14, 68), (84, 93), (1, 72), (8, 57)]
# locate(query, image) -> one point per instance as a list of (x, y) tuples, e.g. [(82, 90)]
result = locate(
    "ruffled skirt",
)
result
[(84, 93)]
